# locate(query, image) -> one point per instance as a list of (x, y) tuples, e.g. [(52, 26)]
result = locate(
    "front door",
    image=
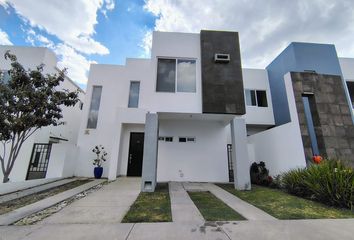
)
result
[(135, 156), (38, 164)]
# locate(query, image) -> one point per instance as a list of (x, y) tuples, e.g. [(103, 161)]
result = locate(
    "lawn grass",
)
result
[(212, 208), (285, 206), (151, 207), (11, 205)]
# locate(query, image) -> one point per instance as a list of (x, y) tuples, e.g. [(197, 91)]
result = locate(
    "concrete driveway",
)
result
[(98, 216)]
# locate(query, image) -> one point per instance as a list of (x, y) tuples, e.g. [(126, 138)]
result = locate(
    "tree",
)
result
[(29, 100)]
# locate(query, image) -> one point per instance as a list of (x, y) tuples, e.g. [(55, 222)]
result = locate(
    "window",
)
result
[(134, 95), (306, 99), (186, 139), (182, 139), (186, 74), (256, 98), (94, 107), (176, 75), (166, 74), (161, 138), (168, 139), (81, 105), (350, 86)]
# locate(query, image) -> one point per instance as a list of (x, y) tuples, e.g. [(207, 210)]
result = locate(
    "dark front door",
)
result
[(38, 164), (135, 157)]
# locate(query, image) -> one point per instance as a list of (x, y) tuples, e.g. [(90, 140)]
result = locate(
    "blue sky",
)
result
[(82, 32)]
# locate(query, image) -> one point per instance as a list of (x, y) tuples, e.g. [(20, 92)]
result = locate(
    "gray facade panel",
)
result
[(331, 115), (222, 84)]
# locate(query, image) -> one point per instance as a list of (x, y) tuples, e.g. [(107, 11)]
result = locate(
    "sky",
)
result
[(84, 32)]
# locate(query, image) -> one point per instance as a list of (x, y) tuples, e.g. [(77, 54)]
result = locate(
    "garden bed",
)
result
[(285, 206), (151, 207), (212, 208), (9, 206)]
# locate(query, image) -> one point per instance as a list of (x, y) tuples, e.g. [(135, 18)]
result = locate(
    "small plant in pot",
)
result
[(100, 158)]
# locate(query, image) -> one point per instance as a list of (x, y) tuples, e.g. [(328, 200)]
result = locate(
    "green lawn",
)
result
[(151, 207), (212, 208), (285, 206)]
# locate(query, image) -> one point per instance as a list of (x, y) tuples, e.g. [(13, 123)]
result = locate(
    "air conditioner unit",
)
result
[(222, 58)]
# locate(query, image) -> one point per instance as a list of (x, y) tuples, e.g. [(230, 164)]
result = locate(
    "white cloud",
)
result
[(72, 23), (265, 27), (76, 64), (4, 38), (146, 44)]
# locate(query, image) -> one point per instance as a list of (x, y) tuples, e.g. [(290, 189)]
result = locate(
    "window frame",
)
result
[(176, 72), (256, 98), (130, 84), (89, 109)]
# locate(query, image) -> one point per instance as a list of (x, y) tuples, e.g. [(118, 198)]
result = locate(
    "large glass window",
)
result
[(250, 97), (350, 86), (176, 75), (166, 75), (94, 107), (186, 75), (134, 95), (256, 98)]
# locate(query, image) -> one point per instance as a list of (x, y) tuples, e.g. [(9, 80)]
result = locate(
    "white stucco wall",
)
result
[(347, 67), (202, 161), (257, 79), (281, 147)]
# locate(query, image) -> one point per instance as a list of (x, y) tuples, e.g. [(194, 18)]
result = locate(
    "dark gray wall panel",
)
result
[(222, 84), (331, 115)]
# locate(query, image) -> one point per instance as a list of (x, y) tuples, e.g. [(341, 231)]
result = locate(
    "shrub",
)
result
[(330, 182), (260, 174)]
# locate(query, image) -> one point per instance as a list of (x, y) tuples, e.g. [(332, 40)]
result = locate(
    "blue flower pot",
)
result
[(98, 172)]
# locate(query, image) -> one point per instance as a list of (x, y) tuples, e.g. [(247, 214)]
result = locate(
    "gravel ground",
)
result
[(11, 205), (36, 217)]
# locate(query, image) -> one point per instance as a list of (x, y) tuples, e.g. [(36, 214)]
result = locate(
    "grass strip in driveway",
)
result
[(151, 207), (11, 205), (282, 205), (212, 208)]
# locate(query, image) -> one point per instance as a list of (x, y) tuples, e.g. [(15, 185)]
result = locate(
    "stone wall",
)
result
[(333, 125)]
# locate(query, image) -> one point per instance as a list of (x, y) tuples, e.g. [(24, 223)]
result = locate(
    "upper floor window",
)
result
[(256, 98), (176, 75), (134, 94), (94, 107)]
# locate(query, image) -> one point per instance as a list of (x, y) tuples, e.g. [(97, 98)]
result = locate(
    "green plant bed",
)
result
[(151, 207), (11, 205), (285, 206), (212, 208)]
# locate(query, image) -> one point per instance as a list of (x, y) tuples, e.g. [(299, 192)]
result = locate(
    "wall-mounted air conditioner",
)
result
[(222, 58)]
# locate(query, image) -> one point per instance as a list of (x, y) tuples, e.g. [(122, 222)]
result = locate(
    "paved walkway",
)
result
[(247, 210), (98, 216), (183, 208), (108, 205)]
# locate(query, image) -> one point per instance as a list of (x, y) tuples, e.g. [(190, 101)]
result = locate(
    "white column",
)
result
[(148, 178), (113, 158), (240, 159)]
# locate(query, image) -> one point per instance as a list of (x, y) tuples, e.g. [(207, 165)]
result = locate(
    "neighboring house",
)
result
[(191, 113), (51, 151)]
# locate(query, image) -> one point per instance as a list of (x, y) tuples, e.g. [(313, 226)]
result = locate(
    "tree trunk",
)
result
[(6, 178)]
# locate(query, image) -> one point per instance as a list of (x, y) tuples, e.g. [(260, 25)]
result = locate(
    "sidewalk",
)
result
[(245, 230), (108, 205), (98, 216)]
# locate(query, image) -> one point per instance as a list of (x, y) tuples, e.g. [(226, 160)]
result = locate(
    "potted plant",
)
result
[(100, 158)]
